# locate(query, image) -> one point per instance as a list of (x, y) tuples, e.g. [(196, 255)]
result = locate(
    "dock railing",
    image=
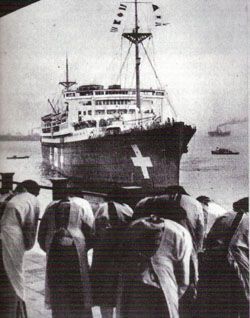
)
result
[(130, 195), (58, 188)]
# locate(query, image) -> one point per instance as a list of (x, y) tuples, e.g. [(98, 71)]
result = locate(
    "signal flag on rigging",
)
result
[(122, 6), (158, 20), (155, 7), (118, 20)]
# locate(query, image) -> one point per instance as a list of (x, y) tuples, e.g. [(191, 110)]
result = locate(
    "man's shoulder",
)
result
[(23, 197), (227, 218), (175, 229), (80, 202), (215, 209), (4, 196), (175, 239), (190, 202)]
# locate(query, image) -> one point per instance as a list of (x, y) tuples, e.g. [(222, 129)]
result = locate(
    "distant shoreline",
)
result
[(19, 138)]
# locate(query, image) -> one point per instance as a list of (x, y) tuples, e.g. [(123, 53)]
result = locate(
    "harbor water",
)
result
[(224, 178)]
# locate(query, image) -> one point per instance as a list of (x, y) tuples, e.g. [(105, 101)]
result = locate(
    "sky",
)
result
[(200, 57)]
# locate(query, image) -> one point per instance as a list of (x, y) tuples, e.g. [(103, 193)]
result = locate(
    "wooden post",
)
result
[(7, 182), (59, 188)]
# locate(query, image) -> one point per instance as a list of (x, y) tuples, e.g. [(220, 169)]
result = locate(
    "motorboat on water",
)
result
[(223, 151), (18, 157)]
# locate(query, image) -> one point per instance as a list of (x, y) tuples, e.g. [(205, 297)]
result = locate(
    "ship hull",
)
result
[(145, 158), (224, 154)]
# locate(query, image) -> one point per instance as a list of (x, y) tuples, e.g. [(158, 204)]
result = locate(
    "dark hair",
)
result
[(30, 186), (115, 194), (74, 191), (161, 207), (122, 195), (203, 199), (241, 205), (175, 189)]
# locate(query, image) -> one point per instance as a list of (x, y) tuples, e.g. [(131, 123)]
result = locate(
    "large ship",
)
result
[(115, 136)]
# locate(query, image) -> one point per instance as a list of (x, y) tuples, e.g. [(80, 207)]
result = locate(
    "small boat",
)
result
[(18, 157), (224, 151)]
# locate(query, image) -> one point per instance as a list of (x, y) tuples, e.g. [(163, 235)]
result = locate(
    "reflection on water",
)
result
[(48, 172)]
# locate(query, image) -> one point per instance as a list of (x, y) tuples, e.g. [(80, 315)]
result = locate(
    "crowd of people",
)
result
[(167, 256)]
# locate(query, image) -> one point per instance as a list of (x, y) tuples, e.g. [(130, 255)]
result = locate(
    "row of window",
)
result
[(86, 103), (90, 93), (89, 112), (57, 122), (114, 102), (109, 111), (108, 102)]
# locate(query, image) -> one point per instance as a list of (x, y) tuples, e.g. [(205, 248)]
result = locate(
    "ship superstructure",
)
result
[(93, 111)]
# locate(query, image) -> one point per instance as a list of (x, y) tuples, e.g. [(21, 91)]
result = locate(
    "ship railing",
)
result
[(140, 119), (64, 125), (46, 130), (131, 194)]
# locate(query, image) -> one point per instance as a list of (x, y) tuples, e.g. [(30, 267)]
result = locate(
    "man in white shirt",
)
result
[(156, 268), (65, 234), (18, 232)]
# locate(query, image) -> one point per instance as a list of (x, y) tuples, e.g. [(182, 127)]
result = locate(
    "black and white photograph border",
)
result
[(129, 95)]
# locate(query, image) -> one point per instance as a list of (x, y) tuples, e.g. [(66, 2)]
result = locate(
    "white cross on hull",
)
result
[(143, 162)]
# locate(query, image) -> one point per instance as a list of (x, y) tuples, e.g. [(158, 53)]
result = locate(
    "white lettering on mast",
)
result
[(143, 162)]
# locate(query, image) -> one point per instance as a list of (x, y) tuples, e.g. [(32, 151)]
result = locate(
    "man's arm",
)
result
[(183, 267), (88, 224), (29, 226), (43, 229)]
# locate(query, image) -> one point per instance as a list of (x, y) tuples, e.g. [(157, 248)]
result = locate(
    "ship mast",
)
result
[(137, 60), (67, 84), (136, 38)]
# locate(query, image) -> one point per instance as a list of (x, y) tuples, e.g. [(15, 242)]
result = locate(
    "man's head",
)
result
[(73, 191), (241, 205), (175, 189), (162, 206), (203, 199), (120, 195), (30, 186)]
